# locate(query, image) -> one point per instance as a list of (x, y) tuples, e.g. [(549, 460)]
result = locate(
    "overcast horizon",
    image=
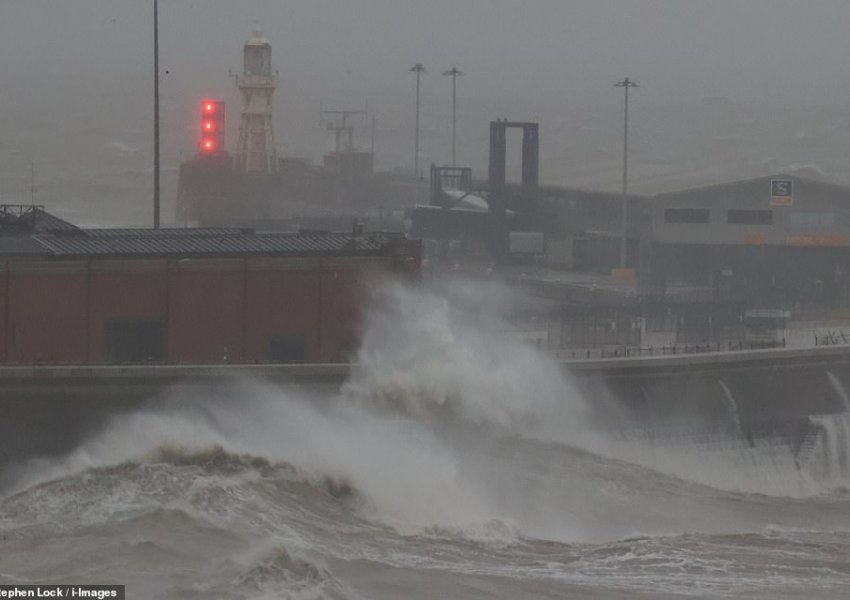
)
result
[(728, 89)]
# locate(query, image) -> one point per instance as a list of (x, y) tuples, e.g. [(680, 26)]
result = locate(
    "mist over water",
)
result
[(454, 454)]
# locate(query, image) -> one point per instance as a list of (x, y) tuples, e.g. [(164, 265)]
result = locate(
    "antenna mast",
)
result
[(340, 128)]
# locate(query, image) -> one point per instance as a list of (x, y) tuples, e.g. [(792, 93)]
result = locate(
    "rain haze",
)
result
[(728, 89), (578, 328)]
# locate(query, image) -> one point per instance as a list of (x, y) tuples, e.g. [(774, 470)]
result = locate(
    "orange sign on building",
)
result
[(817, 239)]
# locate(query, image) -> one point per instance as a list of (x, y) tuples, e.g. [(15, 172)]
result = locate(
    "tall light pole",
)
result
[(454, 73), (625, 84), (418, 69), (156, 115)]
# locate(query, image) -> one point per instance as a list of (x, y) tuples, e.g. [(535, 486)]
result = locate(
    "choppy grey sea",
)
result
[(454, 464)]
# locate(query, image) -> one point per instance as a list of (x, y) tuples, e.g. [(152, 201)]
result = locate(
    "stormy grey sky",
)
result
[(729, 88)]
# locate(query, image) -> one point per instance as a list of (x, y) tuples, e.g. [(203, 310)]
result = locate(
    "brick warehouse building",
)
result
[(75, 296)]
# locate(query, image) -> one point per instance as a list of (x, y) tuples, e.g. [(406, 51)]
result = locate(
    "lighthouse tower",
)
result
[(255, 151)]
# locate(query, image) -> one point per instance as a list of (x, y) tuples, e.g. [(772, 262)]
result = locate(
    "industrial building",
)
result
[(704, 265), (779, 240), (774, 241), (75, 296), (721, 264)]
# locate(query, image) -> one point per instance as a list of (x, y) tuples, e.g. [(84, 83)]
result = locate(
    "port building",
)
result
[(774, 241), (207, 295), (779, 240)]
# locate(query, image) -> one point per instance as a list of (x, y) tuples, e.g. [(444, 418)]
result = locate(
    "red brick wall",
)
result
[(282, 299), (47, 313), (121, 290), (214, 309), (3, 313), (205, 310), (346, 285)]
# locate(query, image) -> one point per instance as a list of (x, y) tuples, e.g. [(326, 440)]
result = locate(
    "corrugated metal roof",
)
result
[(47, 222), (20, 245), (107, 233), (221, 245), (836, 187), (32, 231)]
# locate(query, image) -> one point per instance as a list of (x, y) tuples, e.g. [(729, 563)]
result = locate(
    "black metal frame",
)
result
[(499, 198), (20, 216)]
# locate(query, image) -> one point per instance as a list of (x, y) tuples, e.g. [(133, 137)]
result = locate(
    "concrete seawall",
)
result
[(759, 393), (48, 409), (47, 377)]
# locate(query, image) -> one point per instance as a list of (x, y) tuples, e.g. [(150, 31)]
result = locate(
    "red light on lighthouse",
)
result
[(212, 127)]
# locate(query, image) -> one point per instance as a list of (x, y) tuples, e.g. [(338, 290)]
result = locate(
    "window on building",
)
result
[(749, 217), (288, 347), (812, 220), (135, 340), (686, 215)]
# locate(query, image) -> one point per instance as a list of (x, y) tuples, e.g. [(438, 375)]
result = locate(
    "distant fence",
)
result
[(667, 350), (832, 338)]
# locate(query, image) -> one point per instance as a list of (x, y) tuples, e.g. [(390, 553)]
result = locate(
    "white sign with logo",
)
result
[(781, 192)]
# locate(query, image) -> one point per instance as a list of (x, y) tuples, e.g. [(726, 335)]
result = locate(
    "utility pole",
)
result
[(625, 84), (156, 114), (454, 73), (418, 69)]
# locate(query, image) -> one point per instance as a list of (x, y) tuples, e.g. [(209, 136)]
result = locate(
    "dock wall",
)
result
[(47, 410)]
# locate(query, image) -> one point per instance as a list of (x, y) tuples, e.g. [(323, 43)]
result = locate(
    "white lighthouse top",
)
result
[(257, 38)]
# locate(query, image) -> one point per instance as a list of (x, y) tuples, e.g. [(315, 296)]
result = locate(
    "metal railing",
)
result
[(832, 338), (665, 350)]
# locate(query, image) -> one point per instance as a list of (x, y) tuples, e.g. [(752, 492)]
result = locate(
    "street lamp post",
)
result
[(454, 73), (156, 115), (625, 84), (418, 69)]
